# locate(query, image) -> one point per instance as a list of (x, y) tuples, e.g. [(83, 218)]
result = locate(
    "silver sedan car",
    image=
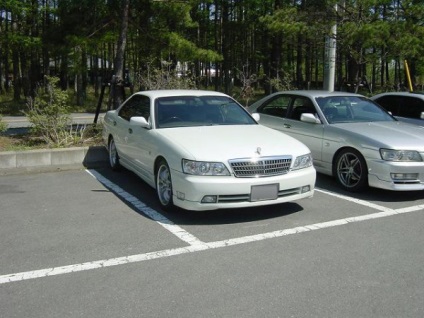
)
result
[(350, 137)]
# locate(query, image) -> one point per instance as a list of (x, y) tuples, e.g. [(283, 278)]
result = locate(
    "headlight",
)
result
[(202, 168), (302, 162), (400, 155)]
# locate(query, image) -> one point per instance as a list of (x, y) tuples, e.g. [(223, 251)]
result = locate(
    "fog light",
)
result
[(404, 176), (180, 195), (209, 199), (306, 189)]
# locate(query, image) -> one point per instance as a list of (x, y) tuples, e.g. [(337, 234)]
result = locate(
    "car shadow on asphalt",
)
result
[(232, 216), (133, 185), (136, 187)]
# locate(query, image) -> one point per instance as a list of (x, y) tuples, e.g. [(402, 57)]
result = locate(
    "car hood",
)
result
[(394, 135), (230, 142)]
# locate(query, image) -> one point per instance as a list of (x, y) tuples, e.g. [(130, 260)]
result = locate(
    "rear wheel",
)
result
[(164, 185), (113, 155), (351, 170)]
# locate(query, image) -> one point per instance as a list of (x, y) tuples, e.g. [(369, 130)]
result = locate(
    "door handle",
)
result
[(114, 123), (130, 130), (287, 125)]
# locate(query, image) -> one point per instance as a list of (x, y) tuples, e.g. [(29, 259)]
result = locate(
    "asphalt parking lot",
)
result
[(95, 243)]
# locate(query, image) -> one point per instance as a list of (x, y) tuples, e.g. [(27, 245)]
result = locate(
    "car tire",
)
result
[(350, 170), (113, 155), (164, 185)]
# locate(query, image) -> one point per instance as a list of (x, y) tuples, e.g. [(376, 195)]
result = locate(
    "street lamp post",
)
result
[(330, 58)]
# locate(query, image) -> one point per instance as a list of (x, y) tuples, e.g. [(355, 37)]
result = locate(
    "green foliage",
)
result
[(188, 51), (77, 39), (49, 114), (282, 83), (165, 78), (3, 125), (284, 20), (247, 91)]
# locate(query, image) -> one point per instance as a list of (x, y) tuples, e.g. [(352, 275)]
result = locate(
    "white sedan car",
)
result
[(201, 150)]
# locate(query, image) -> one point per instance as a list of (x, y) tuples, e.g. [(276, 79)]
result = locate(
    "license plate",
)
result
[(264, 192)]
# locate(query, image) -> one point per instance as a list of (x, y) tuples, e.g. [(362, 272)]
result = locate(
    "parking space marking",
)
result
[(99, 264), (195, 245), (195, 248), (143, 208), (358, 201), (369, 204)]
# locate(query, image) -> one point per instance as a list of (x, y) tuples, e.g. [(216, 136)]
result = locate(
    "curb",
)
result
[(52, 159)]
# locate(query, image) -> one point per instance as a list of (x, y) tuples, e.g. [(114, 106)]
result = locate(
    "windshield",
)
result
[(351, 109), (190, 111)]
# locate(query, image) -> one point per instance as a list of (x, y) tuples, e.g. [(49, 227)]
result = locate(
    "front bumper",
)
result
[(232, 192), (380, 175)]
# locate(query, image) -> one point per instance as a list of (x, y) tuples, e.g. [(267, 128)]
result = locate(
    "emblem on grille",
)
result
[(258, 150)]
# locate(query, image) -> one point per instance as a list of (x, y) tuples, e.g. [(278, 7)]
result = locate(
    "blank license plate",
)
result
[(264, 192)]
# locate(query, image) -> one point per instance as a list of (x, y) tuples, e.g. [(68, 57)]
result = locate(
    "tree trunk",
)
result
[(119, 59), (17, 78)]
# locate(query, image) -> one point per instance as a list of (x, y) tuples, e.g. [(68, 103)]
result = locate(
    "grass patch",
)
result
[(82, 136), (20, 143)]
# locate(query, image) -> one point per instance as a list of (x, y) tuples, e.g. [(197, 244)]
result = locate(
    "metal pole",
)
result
[(330, 58), (408, 76)]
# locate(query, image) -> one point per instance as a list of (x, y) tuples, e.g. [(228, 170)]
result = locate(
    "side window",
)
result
[(127, 110), (276, 107), (301, 105), (137, 105), (411, 107), (143, 107), (389, 103)]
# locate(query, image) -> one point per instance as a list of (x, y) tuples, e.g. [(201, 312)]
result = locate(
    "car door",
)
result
[(311, 134), (140, 143), (279, 113), (122, 127)]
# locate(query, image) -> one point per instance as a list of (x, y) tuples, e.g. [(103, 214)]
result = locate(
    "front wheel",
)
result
[(164, 185), (350, 170)]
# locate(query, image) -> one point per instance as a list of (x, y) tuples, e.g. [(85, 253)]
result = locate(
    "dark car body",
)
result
[(405, 106)]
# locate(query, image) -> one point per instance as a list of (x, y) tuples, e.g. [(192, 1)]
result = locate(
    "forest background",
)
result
[(245, 48)]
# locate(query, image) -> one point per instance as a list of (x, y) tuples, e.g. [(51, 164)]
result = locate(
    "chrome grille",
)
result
[(260, 167)]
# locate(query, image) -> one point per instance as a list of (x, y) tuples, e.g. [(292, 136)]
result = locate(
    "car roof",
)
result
[(178, 92), (415, 94), (317, 93)]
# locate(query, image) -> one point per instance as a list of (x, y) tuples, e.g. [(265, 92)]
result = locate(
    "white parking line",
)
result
[(358, 201), (196, 245), (371, 205)]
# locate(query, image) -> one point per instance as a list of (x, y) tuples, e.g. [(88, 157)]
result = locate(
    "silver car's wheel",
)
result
[(351, 170), (113, 155), (164, 185)]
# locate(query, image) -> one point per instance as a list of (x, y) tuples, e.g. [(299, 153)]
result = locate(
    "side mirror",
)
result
[(309, 118), (256, 116), (139, 121)]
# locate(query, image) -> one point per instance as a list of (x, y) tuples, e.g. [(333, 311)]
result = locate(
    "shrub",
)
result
[(165, 78), (3, 125), (49, 114)]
